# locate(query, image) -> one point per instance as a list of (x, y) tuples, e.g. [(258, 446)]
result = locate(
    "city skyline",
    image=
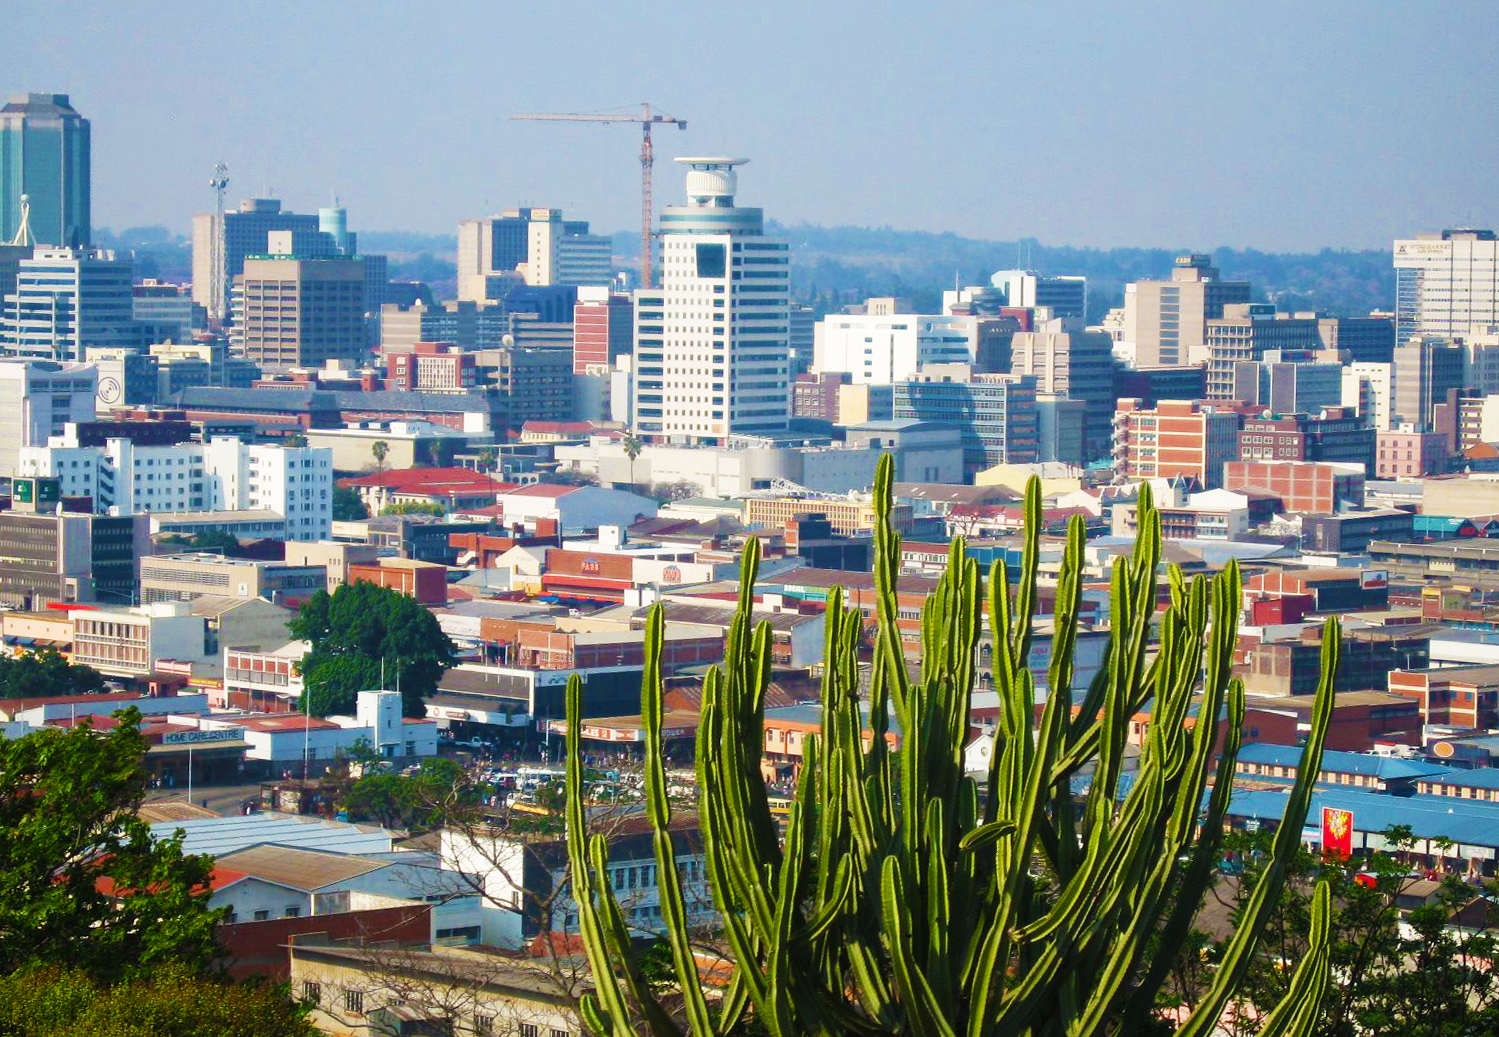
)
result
[(1099, 128)]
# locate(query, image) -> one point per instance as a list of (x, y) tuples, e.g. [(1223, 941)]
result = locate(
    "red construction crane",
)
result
[(646, 119)]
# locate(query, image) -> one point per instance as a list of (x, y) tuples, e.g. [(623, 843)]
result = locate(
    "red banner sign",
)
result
[(1337, 832)]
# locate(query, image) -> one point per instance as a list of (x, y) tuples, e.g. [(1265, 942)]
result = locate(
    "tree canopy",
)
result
[(358, 631), (45, 673), (347, 506), (83, 885)]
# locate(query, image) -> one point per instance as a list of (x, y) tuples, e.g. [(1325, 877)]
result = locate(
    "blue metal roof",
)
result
[(1428, 817), (1385, 768), (1479, 778)]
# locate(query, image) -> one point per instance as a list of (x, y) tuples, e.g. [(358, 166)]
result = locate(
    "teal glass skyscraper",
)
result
[(44, 155)]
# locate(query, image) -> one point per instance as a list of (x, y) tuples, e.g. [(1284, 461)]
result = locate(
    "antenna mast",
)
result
[(216, 287)]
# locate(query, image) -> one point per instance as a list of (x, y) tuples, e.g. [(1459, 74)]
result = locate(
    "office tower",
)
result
[(49, 557), (603, 326), (1366, 340), (884, 348), (299, 312), (67, 299), (431, 367), (1246, 332), (1370, 390), (723, 364), (166, 312), (1424, 370), (535, 383), (44, 155), (1065, 296), (38, 399), (1167, 320), (803, 338), (538, 244), (1445, 283), (1061, 424), (127, 377), (1078, 364), (996, 412), (1289, 382), (1331, 434), (247, 232), (1186, 438)]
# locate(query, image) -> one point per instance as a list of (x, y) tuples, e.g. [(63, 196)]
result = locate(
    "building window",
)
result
[(312, 992), (261, 916), (354, 1001), (484, 1024), (529, 1030)]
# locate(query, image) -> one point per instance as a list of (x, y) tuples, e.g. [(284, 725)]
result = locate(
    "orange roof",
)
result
[(218, 878), (430, 480)]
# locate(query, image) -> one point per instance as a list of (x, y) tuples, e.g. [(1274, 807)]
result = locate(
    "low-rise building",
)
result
[(427, 582), (186, 577), (1316, 488)]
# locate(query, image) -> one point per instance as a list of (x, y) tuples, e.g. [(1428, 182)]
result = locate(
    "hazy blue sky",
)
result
[(1268, 124)]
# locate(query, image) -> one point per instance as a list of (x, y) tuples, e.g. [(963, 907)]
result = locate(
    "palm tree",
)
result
[(633, 446), (380, 449)]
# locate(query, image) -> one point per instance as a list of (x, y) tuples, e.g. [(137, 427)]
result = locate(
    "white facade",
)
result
[(586, 507), (221, 475), (722, 365), (1445, 283), (1370, 388), (38, 400), (129, 642), (881, 349), (727, 471)]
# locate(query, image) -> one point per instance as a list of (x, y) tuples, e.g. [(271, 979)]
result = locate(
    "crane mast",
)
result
[(646, 120)]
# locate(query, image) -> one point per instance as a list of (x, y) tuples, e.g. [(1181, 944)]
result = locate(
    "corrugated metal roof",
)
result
[(307, 870)]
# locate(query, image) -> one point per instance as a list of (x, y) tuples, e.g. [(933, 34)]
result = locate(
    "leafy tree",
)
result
[(666, 492), (361, 629), (1419, 979), (83, 885), (170, 1001), (347, 505), (422, 800), (414, 507), (489, 458), (45, 673), (296, 439)]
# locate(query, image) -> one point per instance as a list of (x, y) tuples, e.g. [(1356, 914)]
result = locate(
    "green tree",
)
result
[(296, 439), (423, 800), (361, 630), (347, 505), (898, 901), (83, 884), (414, 507), (489, 459), (1430, 977), (46, 673), (381, 450), (170, 1001)]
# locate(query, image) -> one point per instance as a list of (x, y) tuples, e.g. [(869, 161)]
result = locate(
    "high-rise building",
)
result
[(1424, 370), (50, 557), (245, 233), (296, 312), (1077, 364), (1288, 382), (996, 412), (1332, 434), (1065, 296), (537, 384), (1167, 320), (1370, 390), (1445, 283), (723, 364), (803, 336), (1246, 332), (603, 324), (44, 155), (537, 244), (68, 299), (880, 349), (38, 400), (1366, 340)]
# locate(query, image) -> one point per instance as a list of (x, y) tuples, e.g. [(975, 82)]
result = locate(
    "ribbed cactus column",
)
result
[(901, 900)]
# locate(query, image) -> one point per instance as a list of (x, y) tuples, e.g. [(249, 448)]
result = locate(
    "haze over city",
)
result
[(1153, 124)]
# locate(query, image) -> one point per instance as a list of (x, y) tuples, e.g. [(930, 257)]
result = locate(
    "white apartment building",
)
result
[(1370, 389), (1065, 295), (880, 349), (221, 475), (723, 363), (38, 400), (1445, 283)]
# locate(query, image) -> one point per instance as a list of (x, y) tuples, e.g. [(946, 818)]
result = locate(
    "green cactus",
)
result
[(900, 900)]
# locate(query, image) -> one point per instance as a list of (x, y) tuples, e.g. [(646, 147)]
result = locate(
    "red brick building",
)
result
[(1303, 486), (1460, 696), (431, 367), (603, 329), (427, 582), (1175, 438), (816, 395)]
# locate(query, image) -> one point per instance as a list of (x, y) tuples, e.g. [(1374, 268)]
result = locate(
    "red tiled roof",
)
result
[(218, 878), (431, 480)]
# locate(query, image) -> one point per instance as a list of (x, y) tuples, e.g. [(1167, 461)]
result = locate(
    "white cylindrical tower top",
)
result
[(711, 179)]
